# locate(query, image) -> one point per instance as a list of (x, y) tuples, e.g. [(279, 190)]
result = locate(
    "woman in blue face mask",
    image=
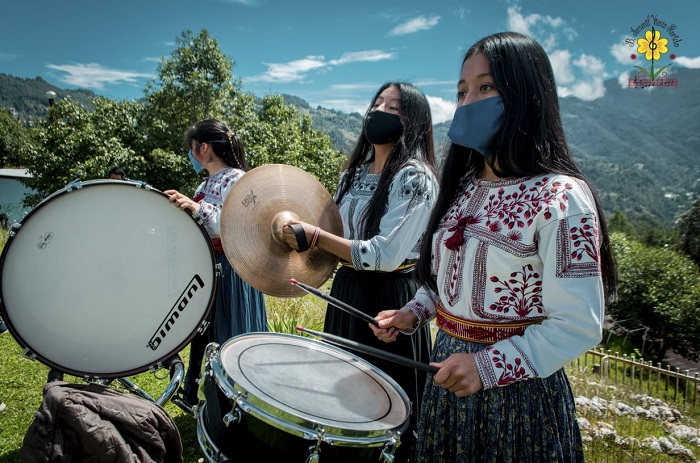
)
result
[(239, 308), (384, 197), (516, 270)]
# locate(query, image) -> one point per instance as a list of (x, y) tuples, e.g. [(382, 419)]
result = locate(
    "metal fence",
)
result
[(668, 383)]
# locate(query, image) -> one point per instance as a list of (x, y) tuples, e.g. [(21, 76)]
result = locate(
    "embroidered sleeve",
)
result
[(411, 197), (572, 298), (423, 305), (214, 195)]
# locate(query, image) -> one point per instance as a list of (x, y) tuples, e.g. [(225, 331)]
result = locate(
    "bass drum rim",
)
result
[(31, 352)]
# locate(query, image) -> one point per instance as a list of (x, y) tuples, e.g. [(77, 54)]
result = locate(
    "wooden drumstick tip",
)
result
[(300, 328), (293, 281)]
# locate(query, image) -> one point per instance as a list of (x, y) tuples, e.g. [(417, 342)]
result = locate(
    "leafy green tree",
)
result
[(281, 135), (659, 289), (689, 231), (76, 144), (195, 82), (13, 138)]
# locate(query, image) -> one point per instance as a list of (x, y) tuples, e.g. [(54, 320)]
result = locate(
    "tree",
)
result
[(194, 83), (13, 137), (689, 231), (659, 289), (77, 144), (281, 135)]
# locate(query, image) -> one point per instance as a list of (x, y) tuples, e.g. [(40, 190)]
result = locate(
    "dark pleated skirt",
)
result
[(372, 292), (529, 421), (238, 308)]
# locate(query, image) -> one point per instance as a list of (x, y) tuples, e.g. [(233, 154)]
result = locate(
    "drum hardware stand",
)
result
[(314, 453)]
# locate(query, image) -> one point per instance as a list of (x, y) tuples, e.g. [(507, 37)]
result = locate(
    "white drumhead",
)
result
[(305, 381), (106, 280)]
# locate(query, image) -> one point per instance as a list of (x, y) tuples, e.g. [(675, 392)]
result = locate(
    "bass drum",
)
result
[(105, 279), (272, 397)]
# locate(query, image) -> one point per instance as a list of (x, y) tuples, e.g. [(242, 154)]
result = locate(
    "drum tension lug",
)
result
[(203, 327), (218, 270), (74, 185), (314, 453), (234, 416), (389, 449), (29, 354)]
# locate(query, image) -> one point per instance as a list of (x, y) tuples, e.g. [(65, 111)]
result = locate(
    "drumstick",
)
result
[(335, 302), (370, 350)]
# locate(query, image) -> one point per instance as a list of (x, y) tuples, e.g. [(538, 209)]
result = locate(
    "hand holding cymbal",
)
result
[(252, 219)]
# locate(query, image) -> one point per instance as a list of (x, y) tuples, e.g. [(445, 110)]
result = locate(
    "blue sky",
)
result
[(332, 53)]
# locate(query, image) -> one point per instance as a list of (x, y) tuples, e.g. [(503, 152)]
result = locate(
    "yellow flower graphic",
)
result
[(653, 45)]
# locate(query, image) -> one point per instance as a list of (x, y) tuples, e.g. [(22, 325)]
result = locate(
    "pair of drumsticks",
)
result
[(352, 344)]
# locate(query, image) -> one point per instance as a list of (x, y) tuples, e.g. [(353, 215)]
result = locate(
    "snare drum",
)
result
[(106, 279), (279, 397)]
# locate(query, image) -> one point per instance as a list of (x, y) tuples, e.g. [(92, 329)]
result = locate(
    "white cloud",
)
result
[(441, 109), (561, 65), (292, 71), (296, 70), (420, 23), (93, 75), (590, 65), (590, 90), (355, 87), (622, 53), (623, 79), (345, 105), (544, 29), (362, 56), (692, 63)]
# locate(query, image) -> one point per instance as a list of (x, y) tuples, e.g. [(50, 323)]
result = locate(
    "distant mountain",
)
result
[(639, 147), (26, 98)]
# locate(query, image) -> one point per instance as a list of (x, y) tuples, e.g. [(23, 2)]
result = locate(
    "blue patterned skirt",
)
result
[(528, 421), (238, 309)]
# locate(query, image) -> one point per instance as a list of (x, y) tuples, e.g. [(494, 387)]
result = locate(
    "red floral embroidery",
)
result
[(585, 240), (511, 371), (519, 208), (523, 293)]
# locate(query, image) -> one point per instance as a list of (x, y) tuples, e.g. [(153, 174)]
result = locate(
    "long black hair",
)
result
[(416, 142), (531, 141), (224, 142)]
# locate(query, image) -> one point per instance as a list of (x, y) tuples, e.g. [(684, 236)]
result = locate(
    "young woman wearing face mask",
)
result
[(239, 308), (516, 270), (384, 197)]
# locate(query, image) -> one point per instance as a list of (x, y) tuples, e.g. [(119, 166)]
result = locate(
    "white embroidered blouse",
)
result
[(412, 194), (210, 195), (520, 251)]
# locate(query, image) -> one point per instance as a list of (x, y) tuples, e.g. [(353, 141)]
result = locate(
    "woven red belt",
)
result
[(481, 331), (218, 247)]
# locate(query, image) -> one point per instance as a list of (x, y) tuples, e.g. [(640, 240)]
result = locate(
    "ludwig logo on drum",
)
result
[(167, 325)]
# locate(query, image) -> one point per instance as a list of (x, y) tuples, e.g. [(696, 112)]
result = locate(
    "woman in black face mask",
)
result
[(385, 197)]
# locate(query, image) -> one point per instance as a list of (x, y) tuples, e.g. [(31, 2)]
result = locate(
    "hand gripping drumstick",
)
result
[(370, 350), (335, 302)]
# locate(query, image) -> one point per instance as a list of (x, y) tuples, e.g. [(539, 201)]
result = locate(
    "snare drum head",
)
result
[(106, 280), (313, 384)]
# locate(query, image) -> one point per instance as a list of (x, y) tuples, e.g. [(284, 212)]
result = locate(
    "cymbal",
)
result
[(251, 228)]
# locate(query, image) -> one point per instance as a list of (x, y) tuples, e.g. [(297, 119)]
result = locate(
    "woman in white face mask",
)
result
[(385, 197), (516, 269), (238, 307)]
